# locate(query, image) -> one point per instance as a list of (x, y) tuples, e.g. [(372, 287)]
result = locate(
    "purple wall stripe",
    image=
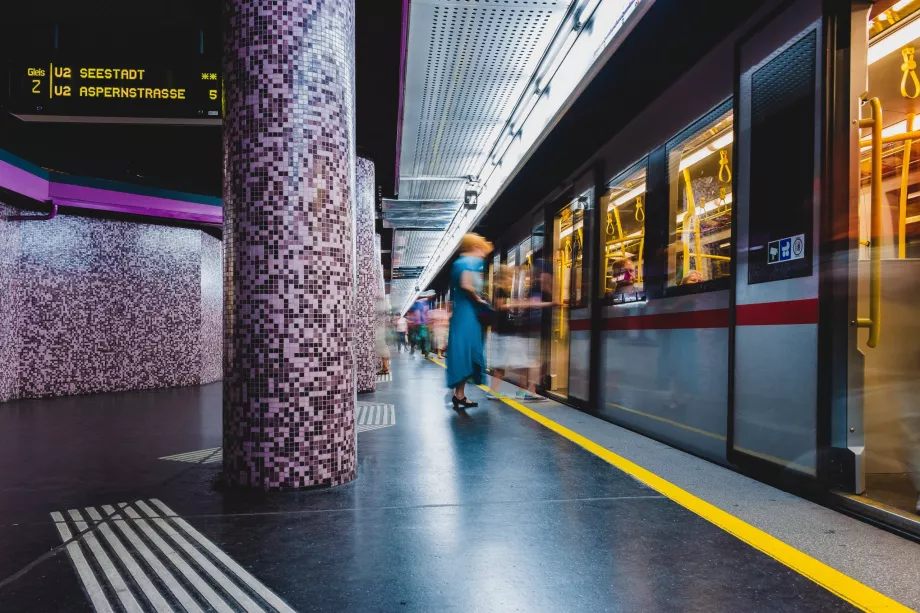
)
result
[(17, 179)]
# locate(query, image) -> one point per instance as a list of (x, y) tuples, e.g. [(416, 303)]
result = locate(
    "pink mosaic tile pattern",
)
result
[(90, 305), (366, 362), (10, 304), (289, 390)]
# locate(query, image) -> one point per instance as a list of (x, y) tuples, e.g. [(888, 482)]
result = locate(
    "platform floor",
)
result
[(483, 510)]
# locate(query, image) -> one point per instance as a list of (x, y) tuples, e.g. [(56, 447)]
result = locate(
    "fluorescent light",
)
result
[(899, 5), (570, 229), (633, 193), (899, 37), (704, 152)]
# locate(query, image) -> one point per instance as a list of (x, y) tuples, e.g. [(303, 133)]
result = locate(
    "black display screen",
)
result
[(112, 90), (783, 165)]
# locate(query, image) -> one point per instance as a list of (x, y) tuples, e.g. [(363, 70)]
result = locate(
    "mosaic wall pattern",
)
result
[(10, 304), (289, 175), (103, 306), (366, 362), (212, 305)]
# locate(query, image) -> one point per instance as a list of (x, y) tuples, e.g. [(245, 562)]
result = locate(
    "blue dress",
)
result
[(465, 355)]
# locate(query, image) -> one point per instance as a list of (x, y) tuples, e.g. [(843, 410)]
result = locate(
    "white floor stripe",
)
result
[(140, 577), (93, 589), (193, 456), (215, 574), (216, 602), (111, 573), (178, 592), (226, 560)]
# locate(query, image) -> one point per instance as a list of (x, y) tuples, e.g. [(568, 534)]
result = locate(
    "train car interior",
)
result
[(889, 254)]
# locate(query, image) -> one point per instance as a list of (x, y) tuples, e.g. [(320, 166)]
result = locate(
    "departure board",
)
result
[(113, 92)]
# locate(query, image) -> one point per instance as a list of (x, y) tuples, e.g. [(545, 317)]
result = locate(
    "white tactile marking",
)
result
[(93, 589), (133, 565), (109, 570), (384, 378), (374, 415), (202, 456)]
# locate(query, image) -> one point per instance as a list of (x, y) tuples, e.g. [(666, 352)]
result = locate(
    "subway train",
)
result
[(737, 271)]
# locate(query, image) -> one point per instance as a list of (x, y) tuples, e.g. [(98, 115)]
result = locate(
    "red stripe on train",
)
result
[(788, 313), (793, 312)]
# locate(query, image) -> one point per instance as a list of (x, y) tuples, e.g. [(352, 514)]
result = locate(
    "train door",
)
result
[(884, 385), (570, 328), (774, 423)]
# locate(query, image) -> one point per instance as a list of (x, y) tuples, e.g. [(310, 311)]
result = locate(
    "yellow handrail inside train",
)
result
[(694, 225), (909, 68), (902, 201), (873, 322), (616, 215)]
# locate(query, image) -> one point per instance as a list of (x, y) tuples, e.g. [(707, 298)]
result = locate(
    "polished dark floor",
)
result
[(478, 511)]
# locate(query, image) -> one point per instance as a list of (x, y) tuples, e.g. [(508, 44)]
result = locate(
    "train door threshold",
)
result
[(878, 513)]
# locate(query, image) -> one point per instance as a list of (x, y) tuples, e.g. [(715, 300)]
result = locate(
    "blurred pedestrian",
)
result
[(465, 355), (383, 350), (439, 320), (523, 352), (499, 358), (402, 329)]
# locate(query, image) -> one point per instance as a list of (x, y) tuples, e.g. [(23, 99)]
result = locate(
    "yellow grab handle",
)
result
[(909, 68), (874, 321)]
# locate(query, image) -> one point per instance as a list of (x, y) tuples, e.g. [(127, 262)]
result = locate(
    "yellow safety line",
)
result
[(859, 595)]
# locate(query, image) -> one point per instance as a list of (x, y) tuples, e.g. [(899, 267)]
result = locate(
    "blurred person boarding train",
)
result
[(465, 354), (511, 346)]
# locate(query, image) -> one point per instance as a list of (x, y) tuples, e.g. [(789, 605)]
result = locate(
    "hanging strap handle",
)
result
[(909, 68), (640, 210), (725, 171)]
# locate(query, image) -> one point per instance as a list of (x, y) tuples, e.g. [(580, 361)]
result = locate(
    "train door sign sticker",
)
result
[(786, 249)]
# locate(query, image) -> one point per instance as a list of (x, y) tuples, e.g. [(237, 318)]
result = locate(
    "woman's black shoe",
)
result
[(464, 403)]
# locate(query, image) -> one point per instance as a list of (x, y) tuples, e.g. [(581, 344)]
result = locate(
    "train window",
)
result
[(624, 236), (700, 177)]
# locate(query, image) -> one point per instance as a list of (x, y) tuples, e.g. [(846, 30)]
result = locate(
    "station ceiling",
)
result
[(484, 81), (467, 65)]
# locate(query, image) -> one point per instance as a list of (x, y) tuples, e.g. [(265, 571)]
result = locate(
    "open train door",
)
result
[(777, 393), (880, 429)]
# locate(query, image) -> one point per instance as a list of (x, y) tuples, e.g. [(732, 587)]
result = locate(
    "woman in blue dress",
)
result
[(465, 355)]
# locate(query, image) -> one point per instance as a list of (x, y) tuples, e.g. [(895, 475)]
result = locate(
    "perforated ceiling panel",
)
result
[(411, 252), (468, 62)]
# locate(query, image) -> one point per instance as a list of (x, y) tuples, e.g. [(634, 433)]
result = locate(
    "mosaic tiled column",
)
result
[(366, 362), (289, 176)]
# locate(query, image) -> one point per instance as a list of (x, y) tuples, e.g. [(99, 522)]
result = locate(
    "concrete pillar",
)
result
[(366, 362), (289, 175)]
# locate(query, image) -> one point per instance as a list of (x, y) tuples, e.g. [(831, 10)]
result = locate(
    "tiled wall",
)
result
[(366, 362), (212, 297), (289, 178), (10, 304), (98, 305)]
